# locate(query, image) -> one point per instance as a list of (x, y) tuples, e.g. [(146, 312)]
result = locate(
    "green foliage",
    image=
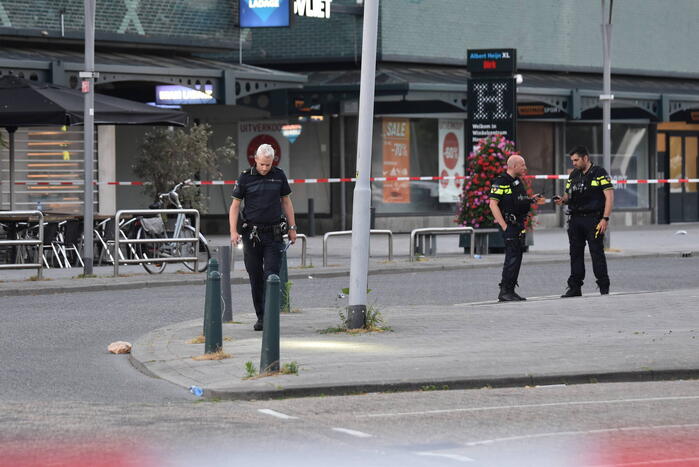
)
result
[(250, 370), (169, 156), (291, 368), (487, 161)]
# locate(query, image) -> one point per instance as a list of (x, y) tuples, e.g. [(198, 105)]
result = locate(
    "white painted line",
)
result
[(358, 434), (274, 413), (530, 406), (547, 386), (578, 433), (455, 457)]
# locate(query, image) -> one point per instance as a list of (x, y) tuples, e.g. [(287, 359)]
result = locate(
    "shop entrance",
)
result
[(683, 158)]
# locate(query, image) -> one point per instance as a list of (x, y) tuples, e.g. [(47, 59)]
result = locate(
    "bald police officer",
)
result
[(261, 225), (510, 204)]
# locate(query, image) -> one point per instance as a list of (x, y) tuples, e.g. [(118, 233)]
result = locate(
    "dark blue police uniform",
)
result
[(514, 203), (586, 207), (260, 224)]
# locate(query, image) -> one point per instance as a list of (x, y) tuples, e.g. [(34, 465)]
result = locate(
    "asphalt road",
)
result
[(54, 346), (583, 425), (62, 396)]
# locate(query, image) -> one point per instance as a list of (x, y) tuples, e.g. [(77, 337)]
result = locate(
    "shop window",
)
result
[(49, 167), (535, 141), (629, 158), (409, 147)]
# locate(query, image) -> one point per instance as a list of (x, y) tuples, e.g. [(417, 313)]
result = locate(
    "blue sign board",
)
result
[(264, 13)]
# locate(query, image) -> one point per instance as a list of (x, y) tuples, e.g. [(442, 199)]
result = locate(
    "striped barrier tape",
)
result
[(373, 179)]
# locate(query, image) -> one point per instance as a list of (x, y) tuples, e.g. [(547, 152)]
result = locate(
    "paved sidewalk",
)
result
[(623, 337), (550, 245)]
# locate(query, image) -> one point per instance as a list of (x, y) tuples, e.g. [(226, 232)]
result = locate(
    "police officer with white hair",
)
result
[(266, 216)]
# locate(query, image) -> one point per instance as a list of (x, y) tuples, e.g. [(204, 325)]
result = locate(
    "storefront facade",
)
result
[(299, 86)]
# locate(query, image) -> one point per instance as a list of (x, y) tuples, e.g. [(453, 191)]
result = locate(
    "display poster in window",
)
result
[(396, 159), (253, 134), (451, 159)]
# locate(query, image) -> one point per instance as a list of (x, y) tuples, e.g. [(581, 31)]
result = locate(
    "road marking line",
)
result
[(274, 413), (529, 406), (358, 434), (455, 457), (577, 433)]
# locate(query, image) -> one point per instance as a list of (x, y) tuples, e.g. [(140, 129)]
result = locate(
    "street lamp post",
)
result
[(606, 98), (88, 88), (359, 261)]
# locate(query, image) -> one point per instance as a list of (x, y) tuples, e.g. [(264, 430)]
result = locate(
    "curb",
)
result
[(455, 384), (294, 274)]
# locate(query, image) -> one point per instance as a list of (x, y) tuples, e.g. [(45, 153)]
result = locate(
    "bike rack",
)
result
[(39, 265), (142, 212), (349, 232), (446, 231)]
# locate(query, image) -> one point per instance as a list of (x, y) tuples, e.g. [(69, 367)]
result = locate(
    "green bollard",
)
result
[(269, 358), (285, 300), (213, 330)]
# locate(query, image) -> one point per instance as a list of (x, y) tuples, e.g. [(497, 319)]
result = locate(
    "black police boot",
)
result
[(258, 325), (603, 289), (507, 294), (572, 292), (519, 297)]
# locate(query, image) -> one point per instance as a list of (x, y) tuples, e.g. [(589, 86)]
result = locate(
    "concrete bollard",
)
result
[(213, 331), (284, 298), (225, 253), (269, 357)]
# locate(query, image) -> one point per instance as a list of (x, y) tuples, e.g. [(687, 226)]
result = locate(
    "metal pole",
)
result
[(359, 262), (11, 138), (311, 218), (226, 283), (606, 96), (89, 133), (343, 185)]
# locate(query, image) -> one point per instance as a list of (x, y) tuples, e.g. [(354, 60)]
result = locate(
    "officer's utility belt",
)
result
[(586, 213)]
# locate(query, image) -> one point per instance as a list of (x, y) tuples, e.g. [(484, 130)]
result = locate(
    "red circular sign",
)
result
[(457, 182), (443, 181), (263, 139), (450, 150)]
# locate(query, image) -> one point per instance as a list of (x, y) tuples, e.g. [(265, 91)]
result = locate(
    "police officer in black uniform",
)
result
[(261, 225), (589, 195), (510, 205)]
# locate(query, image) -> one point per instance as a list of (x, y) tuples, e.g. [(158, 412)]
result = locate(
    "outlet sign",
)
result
[(312, 8)]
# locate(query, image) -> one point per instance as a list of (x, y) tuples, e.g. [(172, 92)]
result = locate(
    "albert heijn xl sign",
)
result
[(277, 13), (492, 94)]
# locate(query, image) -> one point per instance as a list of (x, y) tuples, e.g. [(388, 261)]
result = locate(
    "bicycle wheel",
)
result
[(149, 251), (187, 249)]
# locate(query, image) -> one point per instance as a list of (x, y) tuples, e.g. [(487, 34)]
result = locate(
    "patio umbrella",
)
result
[(30, 103)]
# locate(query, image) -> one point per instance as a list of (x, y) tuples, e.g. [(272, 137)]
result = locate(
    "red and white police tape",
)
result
[(373, 179)]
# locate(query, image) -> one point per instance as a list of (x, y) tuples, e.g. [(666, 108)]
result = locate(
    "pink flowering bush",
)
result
[(484, 164)]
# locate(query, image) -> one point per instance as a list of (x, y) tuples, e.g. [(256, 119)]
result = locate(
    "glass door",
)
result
[(683, 152)]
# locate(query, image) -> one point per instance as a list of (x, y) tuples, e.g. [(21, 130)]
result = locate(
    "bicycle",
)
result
[(154, 227)]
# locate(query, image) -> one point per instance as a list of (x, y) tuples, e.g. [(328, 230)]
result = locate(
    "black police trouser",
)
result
[(582, 229), (514, 249), (262, 258)]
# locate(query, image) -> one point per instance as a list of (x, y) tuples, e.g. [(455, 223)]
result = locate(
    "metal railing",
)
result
[(349, 232), (304, 241), (142, 212), (446, 231), (38, 243)]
